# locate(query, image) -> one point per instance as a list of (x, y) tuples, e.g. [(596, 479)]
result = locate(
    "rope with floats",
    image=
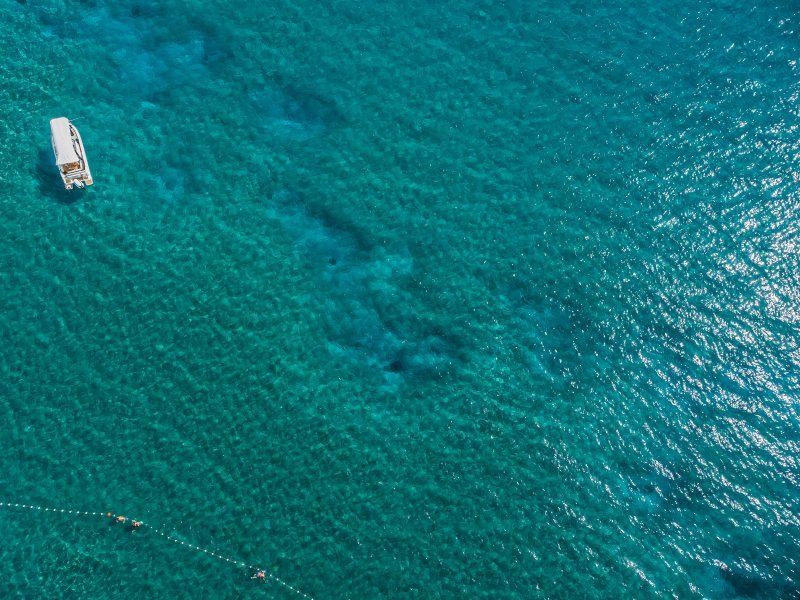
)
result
[(259, 572)]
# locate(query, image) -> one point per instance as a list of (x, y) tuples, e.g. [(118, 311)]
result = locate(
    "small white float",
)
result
[(70, 155)]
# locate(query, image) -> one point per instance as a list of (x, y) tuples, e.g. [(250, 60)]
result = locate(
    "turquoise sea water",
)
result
[(403, 299)]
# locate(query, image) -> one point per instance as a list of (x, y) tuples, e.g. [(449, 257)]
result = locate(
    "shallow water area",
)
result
[(401, 299)]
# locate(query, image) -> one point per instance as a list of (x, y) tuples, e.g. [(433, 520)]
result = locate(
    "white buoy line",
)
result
[(260, 572)]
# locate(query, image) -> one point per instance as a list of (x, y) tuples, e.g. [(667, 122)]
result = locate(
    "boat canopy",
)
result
[(62, 142)]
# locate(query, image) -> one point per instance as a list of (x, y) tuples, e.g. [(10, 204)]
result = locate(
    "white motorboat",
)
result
[(70, 155)]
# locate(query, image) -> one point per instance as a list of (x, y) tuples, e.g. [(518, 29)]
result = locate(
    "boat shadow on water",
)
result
[(50, 184)]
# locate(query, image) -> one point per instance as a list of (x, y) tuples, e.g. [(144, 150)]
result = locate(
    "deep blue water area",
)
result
[(402, 299)]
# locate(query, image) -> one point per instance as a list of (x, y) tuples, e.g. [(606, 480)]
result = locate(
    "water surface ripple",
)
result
[(403, 299)]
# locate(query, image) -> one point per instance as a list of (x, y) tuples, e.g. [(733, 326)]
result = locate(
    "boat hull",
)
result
[(70, 154)]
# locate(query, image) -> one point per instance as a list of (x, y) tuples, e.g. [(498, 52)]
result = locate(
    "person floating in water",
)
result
[(135, 525), (259, 575), (120, 519)]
